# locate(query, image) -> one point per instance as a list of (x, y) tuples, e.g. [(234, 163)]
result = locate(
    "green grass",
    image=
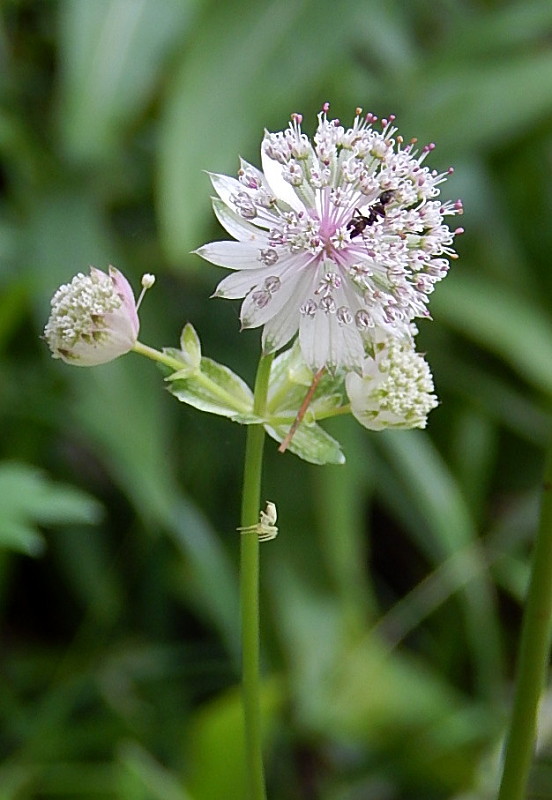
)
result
[(391, 599)]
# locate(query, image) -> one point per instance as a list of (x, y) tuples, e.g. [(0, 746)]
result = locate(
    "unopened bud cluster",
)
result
[(395, 390), (93, 319)]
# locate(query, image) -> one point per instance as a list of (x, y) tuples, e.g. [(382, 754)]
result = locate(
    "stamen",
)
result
[(147, 282)]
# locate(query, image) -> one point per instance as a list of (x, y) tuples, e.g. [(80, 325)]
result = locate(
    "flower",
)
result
[(93, 319), (340, 239), (396, 389)]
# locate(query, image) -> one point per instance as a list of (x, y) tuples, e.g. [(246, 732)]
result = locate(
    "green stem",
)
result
[(533, 655), (158, 355), (249, 588)]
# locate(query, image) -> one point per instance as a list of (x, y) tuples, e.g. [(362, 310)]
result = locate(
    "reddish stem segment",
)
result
[(302, 411)]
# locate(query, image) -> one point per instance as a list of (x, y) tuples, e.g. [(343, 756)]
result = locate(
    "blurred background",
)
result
[(392, 596)]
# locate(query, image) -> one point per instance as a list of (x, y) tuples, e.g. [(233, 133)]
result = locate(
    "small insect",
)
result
[(359, 222), (266, 527)]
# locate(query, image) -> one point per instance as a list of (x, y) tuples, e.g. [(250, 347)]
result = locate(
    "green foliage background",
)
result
[(391, 598)]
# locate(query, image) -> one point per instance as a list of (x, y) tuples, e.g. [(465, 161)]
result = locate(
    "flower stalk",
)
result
[(249, 588), (533, 655)]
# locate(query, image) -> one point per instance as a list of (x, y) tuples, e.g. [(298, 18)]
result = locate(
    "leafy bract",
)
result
[(310, 442), (215, 389)]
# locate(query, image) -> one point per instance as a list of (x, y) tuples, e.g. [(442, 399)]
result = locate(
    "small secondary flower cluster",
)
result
[(341, 240)]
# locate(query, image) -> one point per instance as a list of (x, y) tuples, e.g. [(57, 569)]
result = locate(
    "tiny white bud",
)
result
[(147, 282)]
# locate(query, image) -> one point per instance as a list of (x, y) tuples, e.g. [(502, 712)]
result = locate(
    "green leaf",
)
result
[(346, 684), (490, 89), (216, 390), (121, 409), (190, 344), (112, 54), (28, 500), (144, 777), (225, 101), (216, 742), (433, 508), (513, 327), (310, 442)]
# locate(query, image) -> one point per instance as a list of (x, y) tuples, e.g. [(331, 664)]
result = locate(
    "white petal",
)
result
[(284, 324), (327, 342), (280, 329), (291, 292), (245, 165), (225, 186), (233, 255), (237, 226), (238, 284), (278, 186)]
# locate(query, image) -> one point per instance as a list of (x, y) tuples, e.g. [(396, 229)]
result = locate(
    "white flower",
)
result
[(335, 238), (93, 319), (395, 391)]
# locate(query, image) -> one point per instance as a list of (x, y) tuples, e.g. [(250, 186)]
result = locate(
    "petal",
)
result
[(225, 186), (232, 255), (238, 284), (295, 275), (246, 166), (280, 329), (237, 226), (278, 186), (284, 324), (124, 290), (327, 342)]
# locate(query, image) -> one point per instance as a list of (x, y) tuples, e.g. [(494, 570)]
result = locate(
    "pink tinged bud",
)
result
[(93, 319)]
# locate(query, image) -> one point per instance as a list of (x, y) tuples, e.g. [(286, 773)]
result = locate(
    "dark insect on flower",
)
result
[(320, 257), (359, 221)]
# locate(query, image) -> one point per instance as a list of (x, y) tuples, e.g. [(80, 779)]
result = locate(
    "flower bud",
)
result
[(395, 390), (93, 319)]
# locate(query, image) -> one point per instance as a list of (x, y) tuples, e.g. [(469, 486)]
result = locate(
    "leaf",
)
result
[(216, 390), (120, 407), (190, 344), (430, 503), (513, 327), (216, 741), (147, 776), (28, 499), (310, 442), (112, 54), (345, 684), (226, 101), (490, 90), (290, 379)]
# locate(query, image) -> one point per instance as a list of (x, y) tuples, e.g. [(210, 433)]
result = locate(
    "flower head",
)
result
[(341, 239), (93, 319), (396, 389)]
